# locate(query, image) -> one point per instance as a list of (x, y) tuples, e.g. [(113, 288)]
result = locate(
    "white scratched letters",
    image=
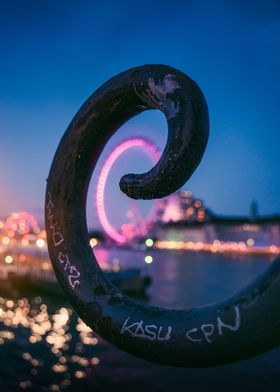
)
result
[(150, 332), (190, 336), (72, 272), (206, 331), (203, 333), (57, 237), (235, 327)]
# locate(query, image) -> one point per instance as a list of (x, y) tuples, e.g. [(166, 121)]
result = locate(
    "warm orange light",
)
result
[(273, 249), (25, 242), (46, 266), (79, 374), (95, 361), (5, 240)]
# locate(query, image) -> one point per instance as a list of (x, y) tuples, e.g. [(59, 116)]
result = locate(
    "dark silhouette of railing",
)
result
[(242, 326)]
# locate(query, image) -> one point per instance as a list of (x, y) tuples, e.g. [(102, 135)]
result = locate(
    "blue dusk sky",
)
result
[(54, 54)]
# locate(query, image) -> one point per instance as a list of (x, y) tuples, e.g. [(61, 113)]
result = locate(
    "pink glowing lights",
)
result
[(150, 148)]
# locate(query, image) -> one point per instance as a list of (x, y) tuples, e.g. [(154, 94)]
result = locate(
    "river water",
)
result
[(44, 347)]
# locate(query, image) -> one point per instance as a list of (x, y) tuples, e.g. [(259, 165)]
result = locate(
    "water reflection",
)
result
[(58, 343), (44, 346), (187, 279)]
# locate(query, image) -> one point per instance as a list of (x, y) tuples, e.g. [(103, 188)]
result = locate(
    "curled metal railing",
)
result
[(239, 327)]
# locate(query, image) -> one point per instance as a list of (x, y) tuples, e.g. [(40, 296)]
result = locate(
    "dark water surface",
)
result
[(44, 347)]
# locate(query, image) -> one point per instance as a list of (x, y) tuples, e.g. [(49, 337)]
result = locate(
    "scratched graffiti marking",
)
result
[(205, 331), (57, 237), (150, 332), (71, 270)]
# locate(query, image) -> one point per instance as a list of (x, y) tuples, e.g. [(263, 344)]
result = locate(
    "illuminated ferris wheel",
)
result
[(135, 142)]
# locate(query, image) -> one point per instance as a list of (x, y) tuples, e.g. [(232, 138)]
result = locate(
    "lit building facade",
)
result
[(182, 207)]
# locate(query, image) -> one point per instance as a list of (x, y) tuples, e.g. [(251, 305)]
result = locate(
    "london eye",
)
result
[(134, 142)]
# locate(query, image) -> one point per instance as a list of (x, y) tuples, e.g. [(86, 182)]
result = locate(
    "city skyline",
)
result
[(48, 70)]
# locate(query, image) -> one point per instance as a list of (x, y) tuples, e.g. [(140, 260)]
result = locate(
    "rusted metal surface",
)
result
[(239, 327)]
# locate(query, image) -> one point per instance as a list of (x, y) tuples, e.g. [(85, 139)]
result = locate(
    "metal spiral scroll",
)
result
[(242, 326)]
